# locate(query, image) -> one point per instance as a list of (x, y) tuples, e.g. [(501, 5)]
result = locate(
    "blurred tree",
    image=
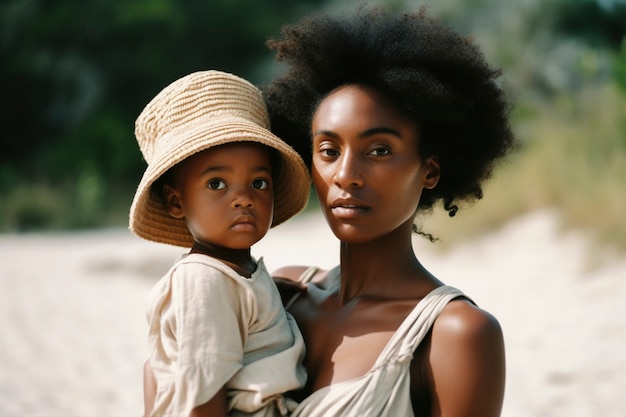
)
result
[(75, 74), (601, 24), (547, 47)]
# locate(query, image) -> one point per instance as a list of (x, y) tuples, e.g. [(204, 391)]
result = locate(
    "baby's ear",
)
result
[(173, 202), (433, 172)]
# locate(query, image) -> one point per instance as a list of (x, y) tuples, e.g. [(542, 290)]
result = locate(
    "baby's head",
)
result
[(207, 111)]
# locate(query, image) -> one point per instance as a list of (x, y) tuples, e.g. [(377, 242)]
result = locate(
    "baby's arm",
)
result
[(149, 389), (209, 327), (216, 406)]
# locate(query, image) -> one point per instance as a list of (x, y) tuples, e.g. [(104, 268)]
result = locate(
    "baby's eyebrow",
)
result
[(227, 168), (262, 168), (217, 168)]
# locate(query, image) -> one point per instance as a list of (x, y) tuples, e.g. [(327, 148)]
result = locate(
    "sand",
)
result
[(74, 331)]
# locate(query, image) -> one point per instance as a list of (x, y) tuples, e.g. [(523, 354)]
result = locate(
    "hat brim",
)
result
[(149, 217)]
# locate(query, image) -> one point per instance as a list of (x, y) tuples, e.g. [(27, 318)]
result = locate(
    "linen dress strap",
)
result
[(417, 324), (308, 274), (385, 390), (304, 278)]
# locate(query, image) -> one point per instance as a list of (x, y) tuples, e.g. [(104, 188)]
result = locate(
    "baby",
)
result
[(217, 180)]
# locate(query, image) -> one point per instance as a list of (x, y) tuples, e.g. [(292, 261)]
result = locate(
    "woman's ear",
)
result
[(173, 202), (433, 172)]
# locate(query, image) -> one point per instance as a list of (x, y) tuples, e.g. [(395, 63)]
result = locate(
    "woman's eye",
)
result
[(216, 185), (329, 152), (380, 152), (260, 184)]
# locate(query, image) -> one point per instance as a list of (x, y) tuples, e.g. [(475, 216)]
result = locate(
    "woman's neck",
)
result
[(384, 268), (239, 260)]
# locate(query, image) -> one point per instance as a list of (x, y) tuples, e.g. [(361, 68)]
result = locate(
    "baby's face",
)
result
[(226, 194)]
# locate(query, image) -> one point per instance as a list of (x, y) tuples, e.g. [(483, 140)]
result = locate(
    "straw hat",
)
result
[(199, 111)]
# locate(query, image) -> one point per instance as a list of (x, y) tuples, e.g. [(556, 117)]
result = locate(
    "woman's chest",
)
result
[(344, 342)]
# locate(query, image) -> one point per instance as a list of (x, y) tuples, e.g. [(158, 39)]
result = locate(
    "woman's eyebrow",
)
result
[(369, 132), (378, 130), (325, 133)]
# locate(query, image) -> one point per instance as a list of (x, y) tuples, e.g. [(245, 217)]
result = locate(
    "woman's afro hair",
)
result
[(438, 77)]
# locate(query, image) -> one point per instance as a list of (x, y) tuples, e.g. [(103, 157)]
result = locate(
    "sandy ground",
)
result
[(74, 332)]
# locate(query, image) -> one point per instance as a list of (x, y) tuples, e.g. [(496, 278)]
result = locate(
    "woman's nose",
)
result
[(348, 171)]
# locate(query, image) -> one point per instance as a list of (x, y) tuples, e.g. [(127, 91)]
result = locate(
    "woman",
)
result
[(402, 113), (394, 113)]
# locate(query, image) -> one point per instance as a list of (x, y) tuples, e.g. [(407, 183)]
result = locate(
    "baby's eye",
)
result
[(260, 184), (216, 185)]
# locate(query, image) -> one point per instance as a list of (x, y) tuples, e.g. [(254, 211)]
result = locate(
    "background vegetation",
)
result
[(75, 74)]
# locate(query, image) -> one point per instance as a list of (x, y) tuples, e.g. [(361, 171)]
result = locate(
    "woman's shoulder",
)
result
[(300, 273), (292, 281), (461, 318), (466, 360)]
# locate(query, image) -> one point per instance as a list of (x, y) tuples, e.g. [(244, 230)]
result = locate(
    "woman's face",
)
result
[(367, 170)]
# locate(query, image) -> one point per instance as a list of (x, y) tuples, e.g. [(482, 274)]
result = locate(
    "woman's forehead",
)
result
[(359, 105)]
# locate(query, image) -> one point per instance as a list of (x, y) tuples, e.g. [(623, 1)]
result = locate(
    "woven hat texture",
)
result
[(199, 111)]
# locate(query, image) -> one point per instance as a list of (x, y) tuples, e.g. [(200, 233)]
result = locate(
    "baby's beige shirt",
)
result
[(210, 327)]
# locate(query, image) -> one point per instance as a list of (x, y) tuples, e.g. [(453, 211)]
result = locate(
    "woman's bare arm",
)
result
[(467, 363)]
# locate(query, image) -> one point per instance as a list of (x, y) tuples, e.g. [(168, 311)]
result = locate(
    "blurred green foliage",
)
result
[(75, 74), (564, 64)]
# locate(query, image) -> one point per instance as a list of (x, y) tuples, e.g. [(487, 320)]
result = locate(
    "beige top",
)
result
[(210, 327), (385, 389)]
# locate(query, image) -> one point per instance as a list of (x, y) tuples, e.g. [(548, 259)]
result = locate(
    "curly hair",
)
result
[(438, 77)]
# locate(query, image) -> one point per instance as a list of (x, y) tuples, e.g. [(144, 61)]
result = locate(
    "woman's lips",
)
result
[(345, 212), (347, 209)]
